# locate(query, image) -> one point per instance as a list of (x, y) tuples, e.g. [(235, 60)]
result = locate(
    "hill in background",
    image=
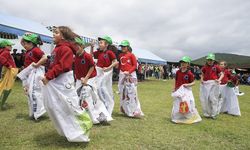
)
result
[(233, 60)]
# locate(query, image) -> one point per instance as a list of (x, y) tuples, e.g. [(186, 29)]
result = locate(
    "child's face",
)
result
[(124, 49), (184, 64), (103, 45), (57, 36), (26, 45), (210, 62), (222, 64)]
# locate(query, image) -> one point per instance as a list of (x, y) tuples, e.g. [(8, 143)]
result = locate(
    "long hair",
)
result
[(113, 48), (67, 33), (130, 48)]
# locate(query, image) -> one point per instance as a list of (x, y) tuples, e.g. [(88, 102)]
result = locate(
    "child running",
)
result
[(30, 75), (209, 90), (223, 85), (129, 101), (229, 99), (106, 61), (184, 110), (60, 97), (85, 75), (9, 72)]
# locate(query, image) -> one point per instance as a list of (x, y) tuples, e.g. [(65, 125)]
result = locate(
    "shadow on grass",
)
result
[(52, 139), (118, 114), (8, 107), (21, 116)]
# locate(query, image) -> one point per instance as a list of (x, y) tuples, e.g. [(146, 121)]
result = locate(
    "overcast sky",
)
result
[(169, 28)]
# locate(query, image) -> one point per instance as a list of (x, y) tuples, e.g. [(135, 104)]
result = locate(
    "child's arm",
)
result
[(202, 77), (85, 79), (92, 48), (189, 84), (114, 63), (41, 61), (173, 88), (220, 78)]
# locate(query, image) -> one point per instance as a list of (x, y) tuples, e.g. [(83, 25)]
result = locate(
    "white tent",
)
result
[(18, 26), (23, 25), (148, 57)]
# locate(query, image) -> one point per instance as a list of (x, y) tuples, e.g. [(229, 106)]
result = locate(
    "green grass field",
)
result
[(154, 131)]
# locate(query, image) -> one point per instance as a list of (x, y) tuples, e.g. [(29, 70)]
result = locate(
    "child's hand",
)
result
[(45, 81), (106, 69), (202, 82), (25, 89), (185, 85), (126, 73), (35, 65), (84, 81), (218, 81)]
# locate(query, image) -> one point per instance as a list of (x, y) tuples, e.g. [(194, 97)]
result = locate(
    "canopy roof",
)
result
[(19, 26), (148, 57)]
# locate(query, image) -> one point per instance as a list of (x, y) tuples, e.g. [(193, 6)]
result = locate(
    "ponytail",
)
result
[(39, 40)]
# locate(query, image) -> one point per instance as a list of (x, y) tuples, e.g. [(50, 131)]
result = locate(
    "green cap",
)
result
[(5, 43), (185, 59), (125, 43), (106, 38), (79, 41), (211, 56), (31, 37)]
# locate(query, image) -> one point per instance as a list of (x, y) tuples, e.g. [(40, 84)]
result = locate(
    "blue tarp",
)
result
[(19, 26), (20, 32)]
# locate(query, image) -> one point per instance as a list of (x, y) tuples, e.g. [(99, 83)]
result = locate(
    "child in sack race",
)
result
[(184, 110), (60, 98), (209, 89), (129, 101), (30, 74), (106, 61), (228, 99), (9, 72), (86, 85)]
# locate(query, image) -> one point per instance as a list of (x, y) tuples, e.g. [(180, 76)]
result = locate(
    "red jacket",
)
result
[(127, 62), (61, 60), (33, 55), (227, 76), (104, 59), (211, 72), (6, 59), (183, 78), (82, 65)]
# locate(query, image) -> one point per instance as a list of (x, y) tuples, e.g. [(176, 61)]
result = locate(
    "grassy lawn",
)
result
[(154, 131)]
